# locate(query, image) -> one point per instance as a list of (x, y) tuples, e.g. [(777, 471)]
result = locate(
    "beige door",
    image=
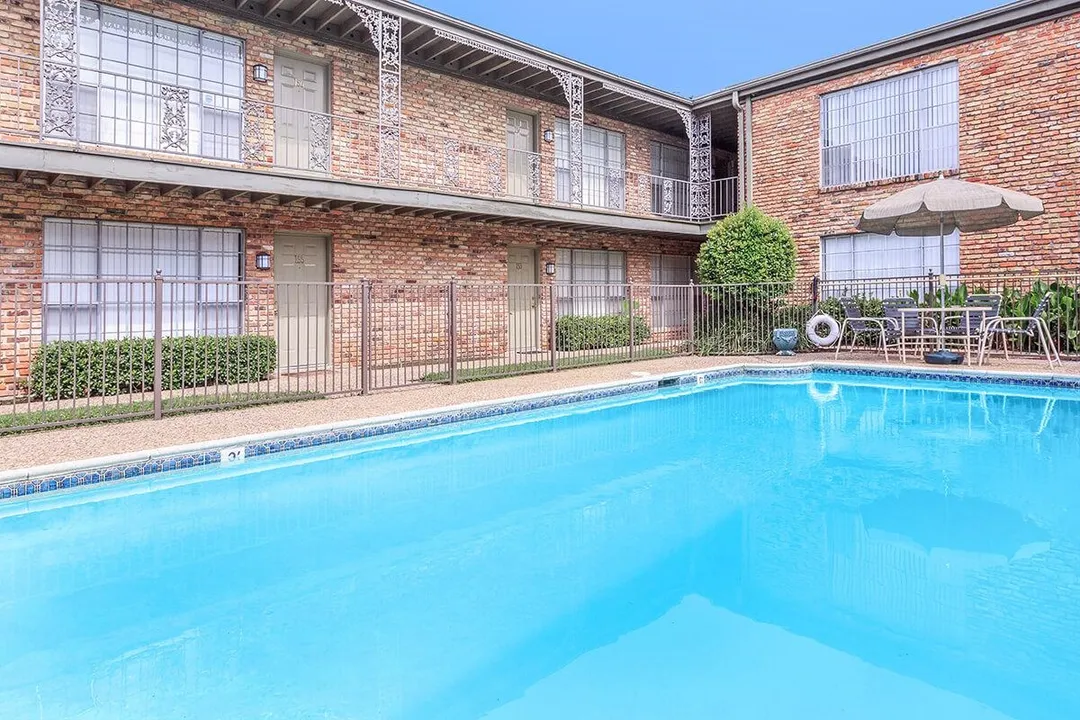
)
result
[(303, 300), (520, 139), (301, 125), (523, 300)]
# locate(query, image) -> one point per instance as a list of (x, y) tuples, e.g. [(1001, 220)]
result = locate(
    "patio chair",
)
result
[(907, 326), (1029, 327), (859, 326), (971, 325)]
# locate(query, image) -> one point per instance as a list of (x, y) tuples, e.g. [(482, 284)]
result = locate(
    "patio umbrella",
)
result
[(945, 205)]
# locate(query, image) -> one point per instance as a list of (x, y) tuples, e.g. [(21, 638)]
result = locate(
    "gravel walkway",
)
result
[(68, 444)]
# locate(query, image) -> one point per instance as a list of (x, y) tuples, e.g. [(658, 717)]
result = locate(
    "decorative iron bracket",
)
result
[(385, 30), (573, 87)]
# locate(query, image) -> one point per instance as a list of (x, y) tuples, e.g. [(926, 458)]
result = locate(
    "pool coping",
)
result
[(94, 471)]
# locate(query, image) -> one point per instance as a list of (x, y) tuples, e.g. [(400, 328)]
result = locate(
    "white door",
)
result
[(303, 301), (524, 294), (519, 155), (302, 127)]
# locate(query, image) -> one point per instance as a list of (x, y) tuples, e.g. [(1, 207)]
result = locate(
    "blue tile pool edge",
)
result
[(33, 481)]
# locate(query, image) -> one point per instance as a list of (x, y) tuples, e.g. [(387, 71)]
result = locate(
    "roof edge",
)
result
[(436, 19), (954, 32)]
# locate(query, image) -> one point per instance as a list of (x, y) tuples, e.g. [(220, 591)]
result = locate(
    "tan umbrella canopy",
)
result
[(947, 204)]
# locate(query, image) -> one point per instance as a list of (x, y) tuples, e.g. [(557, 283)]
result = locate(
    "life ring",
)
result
[(832, 391), (827, 339)]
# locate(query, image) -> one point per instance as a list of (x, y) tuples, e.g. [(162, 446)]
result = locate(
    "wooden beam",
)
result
[(499, 64), (133, 187), (97, 182), (326, 20), (206, 192), (21, 175), (347, 28), (272, 7), (302, 11), (233, 195)]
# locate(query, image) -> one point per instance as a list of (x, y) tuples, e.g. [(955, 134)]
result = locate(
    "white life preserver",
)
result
[(828, 338), (831, 392)]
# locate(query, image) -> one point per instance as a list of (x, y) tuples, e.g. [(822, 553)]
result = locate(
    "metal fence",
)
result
[(77, 350), (1020, 294)]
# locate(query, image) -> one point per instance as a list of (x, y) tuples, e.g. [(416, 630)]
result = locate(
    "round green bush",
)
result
[(748, 248)]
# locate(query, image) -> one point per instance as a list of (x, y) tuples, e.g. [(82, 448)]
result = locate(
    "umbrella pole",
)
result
[(941, 280)]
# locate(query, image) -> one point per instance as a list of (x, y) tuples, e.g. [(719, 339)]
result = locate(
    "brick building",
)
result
[(237, 145), (991, 98)]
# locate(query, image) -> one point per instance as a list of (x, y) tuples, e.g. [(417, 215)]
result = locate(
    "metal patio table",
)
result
[(943, 312)]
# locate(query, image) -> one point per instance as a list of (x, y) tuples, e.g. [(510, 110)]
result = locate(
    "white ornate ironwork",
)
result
[(616, 187), (385, 30), (451, 162), (493, 49), (319, 142), (253, 141), (668, 197), (494, 170), (59, 74), (573, 87), (174, 118), (534, 176), (701, 167)]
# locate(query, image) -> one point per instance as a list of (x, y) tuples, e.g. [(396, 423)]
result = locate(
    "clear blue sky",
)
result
[(693, 47)]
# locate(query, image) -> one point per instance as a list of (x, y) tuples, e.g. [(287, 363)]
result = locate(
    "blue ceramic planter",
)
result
[(785, 340)]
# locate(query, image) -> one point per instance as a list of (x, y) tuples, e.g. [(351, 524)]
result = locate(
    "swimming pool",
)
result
[(816, 547)]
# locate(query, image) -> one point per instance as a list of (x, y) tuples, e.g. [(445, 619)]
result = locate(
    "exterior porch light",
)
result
[(549, 135), (549, 269), (262, 260), (260, 73)]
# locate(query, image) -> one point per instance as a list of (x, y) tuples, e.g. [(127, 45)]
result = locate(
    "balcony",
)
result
[(139, 117)]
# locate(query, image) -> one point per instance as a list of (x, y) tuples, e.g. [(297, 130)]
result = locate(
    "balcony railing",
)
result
[(142, 113)]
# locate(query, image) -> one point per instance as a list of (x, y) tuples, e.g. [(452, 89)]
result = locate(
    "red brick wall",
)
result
[(392, 251), (1019, 129)]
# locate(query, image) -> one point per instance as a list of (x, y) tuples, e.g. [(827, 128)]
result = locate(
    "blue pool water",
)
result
[(765, 550)]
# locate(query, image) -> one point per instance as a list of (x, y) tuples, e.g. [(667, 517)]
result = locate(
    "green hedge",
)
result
[(587, 332), (67, 369)]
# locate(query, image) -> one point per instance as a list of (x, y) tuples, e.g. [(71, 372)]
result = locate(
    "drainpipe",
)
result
[(749, 130), (740, 155)]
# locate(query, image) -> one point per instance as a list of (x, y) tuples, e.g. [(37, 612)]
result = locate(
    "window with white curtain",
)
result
[(126, 58), (669, 161), (671, 277), (99, 279), (904, 125), (865, 256), (603, 167), (590, 282)]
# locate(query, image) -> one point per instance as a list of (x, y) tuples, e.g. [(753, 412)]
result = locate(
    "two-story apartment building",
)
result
[(994, 98), (333, 141)]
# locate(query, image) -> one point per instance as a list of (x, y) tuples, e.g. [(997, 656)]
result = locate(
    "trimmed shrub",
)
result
[(67, 369), (748, 248), (751, 333), (588, 332)]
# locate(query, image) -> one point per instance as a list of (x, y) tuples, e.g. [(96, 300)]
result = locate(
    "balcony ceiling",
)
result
[(335, 24)]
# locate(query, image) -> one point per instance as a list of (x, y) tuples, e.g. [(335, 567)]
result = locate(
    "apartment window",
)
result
[(901, 126), (603, 168), (101, 279), (590, 282), (128, 61), (865, 257), (671, 163), (671, 294)]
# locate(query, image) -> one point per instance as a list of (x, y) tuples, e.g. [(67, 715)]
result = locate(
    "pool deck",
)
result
[(103, 439)]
